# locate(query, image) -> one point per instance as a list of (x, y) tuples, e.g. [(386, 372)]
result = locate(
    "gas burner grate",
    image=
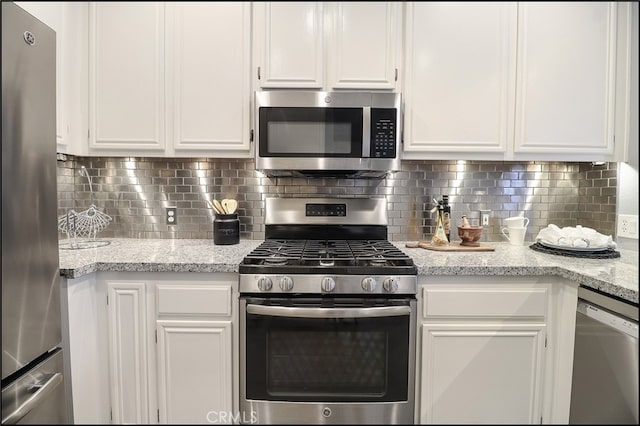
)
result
[(327, 253), (326, 249), (291, 249), (276, 253), (375, 250)]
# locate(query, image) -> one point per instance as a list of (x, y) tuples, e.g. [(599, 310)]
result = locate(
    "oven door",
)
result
[(338, 360)]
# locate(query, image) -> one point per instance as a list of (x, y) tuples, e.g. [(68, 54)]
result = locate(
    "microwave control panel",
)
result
[(383, 133)]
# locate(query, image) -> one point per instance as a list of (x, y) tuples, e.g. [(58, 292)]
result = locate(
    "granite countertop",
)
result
[(618, 277), (155, 255)]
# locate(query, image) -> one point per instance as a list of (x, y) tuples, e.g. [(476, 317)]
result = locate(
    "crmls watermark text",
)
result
[(227, 417)]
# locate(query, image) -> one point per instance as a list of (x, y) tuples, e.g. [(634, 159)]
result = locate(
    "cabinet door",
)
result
[(194, 371), (364, 44), (473, 373), (128, 351), (126, 75), (566, 78), (208, 74), (289, 45), (460, 68)]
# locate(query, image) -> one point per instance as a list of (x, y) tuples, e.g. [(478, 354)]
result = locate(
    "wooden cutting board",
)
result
[(455, 246)]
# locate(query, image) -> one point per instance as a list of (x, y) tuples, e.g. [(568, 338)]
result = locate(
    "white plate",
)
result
[(570, 248)]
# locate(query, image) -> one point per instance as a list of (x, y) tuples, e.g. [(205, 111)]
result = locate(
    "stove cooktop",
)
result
[(327, 246), (342, 257), (345, 267)]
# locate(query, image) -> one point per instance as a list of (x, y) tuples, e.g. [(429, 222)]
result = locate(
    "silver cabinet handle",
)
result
[(285, 311), (33, 400)]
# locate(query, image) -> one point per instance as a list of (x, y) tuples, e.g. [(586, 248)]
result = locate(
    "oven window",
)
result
[(305, 132), (331, 359)]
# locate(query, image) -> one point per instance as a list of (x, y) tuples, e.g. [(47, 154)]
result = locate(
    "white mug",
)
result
[(515, 235), (516, 222)]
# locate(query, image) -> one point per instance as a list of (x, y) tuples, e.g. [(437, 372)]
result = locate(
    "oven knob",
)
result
[(328, 284), (369, 284), (286, 284), (264, 283), (390, 285)]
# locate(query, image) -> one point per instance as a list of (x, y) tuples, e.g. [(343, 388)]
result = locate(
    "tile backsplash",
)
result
[(135, 192)]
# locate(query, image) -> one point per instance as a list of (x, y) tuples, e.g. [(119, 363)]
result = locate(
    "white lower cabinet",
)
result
[(160, 347), (128, 356), (168, 341), (482, 373), (194, 371), (490, 349), (194, 349)]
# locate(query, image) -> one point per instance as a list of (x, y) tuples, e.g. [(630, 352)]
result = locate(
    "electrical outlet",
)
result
[(484, 217), (628, 226), (172, 215)]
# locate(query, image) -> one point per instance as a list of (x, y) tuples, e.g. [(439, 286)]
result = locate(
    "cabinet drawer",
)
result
[(485, 302), (194, 300)]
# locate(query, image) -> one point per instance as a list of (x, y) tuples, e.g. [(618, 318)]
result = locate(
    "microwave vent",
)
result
[(328, 174)]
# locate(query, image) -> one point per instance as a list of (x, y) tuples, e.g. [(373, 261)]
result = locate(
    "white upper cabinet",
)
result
[(504, 81), (364, 44), (566, 78), (208, 75), (482, 80), (289, 44), (327, 45), (460, 70), (126, 75), (170, 78)]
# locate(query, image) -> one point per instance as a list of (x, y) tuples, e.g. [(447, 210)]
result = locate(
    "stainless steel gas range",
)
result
[(327, 317)]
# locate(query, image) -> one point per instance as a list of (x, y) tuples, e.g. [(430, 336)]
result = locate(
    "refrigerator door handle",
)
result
[(33, 400)]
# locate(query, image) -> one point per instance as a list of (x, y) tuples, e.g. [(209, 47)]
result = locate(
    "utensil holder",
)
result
[(226, 229)]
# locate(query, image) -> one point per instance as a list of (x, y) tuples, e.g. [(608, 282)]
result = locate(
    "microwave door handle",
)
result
[(286, 311), (366, 132)]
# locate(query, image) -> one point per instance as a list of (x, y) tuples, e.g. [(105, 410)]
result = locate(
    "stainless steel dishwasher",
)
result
[(605, 363)]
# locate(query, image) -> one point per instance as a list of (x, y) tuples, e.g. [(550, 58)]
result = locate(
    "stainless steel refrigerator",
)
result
[(33, 388)]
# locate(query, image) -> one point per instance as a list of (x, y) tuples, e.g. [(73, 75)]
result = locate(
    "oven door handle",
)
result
[(285, 311)]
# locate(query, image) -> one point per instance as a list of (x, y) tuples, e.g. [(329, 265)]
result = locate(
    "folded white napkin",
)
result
[(574, 237)]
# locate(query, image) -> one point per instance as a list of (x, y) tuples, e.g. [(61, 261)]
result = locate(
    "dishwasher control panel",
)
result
[(619, 323)]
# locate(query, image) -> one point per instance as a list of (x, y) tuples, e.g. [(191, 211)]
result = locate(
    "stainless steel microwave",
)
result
[(340, 134)]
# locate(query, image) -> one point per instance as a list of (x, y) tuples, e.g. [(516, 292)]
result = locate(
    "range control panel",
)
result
[(383, 133), (326, 210)]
